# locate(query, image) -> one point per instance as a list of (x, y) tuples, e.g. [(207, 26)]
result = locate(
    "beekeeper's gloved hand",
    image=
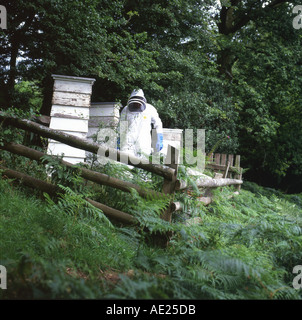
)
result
[(159, 142)]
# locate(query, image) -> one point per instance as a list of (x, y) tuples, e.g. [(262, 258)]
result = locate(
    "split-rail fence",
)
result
[(168, 172)]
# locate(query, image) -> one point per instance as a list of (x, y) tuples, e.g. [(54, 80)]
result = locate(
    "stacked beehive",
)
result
[(70, 113)]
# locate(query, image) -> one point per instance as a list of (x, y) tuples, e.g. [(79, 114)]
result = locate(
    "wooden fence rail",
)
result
[(52, 190), (93, 147), (97, 177)]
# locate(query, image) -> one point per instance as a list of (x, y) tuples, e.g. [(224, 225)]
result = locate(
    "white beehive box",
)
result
[(172, 137), (70, 114), (102, 115)]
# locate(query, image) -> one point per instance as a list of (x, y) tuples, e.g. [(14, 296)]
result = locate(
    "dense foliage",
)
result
[(230, 67)]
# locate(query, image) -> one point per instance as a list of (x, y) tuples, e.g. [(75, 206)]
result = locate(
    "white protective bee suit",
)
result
[(136, 122)]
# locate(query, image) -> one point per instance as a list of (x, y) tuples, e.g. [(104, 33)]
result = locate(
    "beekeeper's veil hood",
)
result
[(137, 101)]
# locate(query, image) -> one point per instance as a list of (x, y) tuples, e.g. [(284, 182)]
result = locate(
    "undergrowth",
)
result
[(240, 247)]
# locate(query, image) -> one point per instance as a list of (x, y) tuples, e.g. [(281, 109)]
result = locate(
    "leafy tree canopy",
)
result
[(232, 67)]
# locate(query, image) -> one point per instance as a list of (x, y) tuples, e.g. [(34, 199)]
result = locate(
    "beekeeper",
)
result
[(139, 126)]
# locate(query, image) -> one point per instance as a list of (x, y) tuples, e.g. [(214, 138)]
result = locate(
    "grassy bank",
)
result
[(240, 247)]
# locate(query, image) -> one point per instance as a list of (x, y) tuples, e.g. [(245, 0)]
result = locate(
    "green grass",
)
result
[(244, 248), (52, 240)]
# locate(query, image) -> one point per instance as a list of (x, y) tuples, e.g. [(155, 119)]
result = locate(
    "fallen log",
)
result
[(218, 175), (93, 147), (53, 190), (97, 177), (208, 183)]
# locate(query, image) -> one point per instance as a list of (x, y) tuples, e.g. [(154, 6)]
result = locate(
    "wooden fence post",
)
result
[(237, 166), (168, 189), (240, 177)]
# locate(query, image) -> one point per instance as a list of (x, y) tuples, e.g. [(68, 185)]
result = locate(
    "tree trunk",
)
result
[(47, 87), (225, 58), (12, 74), (225, 63), (232, 20)]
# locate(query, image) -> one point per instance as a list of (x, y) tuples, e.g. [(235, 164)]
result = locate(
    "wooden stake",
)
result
[(226, 170)]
